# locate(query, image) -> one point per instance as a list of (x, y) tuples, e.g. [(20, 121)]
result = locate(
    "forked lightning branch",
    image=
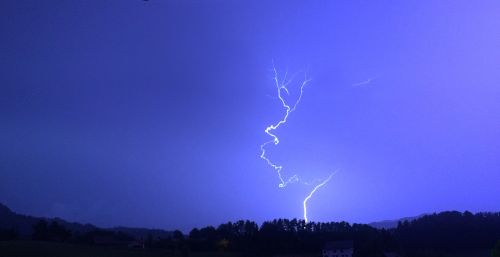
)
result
[(282, 88)]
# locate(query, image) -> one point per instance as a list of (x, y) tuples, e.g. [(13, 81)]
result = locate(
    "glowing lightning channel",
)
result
[(312, 193), (281, 86)]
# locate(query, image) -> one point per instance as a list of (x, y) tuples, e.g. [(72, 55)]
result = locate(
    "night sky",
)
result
[(151, 113)]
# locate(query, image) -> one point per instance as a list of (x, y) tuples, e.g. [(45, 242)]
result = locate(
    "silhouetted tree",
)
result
[(430, 235), (149, 241), (448, 232), (41, 230), (58, 232), (8, 234), (496, 250), (177, 235)]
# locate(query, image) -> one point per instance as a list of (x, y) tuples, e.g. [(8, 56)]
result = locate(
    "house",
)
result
[(338, 249)]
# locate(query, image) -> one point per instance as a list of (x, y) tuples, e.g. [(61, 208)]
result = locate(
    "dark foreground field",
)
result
[(50, 249)]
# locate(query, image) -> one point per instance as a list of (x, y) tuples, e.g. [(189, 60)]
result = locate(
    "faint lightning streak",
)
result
[(312, 192), (362, 83), (282, 86)]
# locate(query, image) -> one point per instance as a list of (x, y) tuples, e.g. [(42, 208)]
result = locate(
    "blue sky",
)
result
[(152, 113)]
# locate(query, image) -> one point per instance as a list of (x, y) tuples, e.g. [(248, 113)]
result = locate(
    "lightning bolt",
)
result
[(312, 193), (281, 86)]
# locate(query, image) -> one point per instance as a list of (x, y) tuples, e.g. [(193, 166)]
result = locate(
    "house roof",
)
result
[(334, 245)]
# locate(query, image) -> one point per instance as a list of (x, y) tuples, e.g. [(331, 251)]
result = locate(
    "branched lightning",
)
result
[(281, 86)]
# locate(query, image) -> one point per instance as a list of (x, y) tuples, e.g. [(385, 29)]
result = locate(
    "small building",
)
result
[(338, 249)]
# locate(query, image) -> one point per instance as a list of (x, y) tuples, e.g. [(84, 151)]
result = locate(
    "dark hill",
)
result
[(389, 224), (23, 225)]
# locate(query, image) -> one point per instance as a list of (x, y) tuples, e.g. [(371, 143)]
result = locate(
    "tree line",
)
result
[(430, 235)]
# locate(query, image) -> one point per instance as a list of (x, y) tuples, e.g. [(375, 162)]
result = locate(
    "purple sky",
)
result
[(152, 113)]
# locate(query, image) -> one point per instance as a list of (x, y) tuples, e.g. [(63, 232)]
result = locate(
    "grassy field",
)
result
[(48, 249)]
